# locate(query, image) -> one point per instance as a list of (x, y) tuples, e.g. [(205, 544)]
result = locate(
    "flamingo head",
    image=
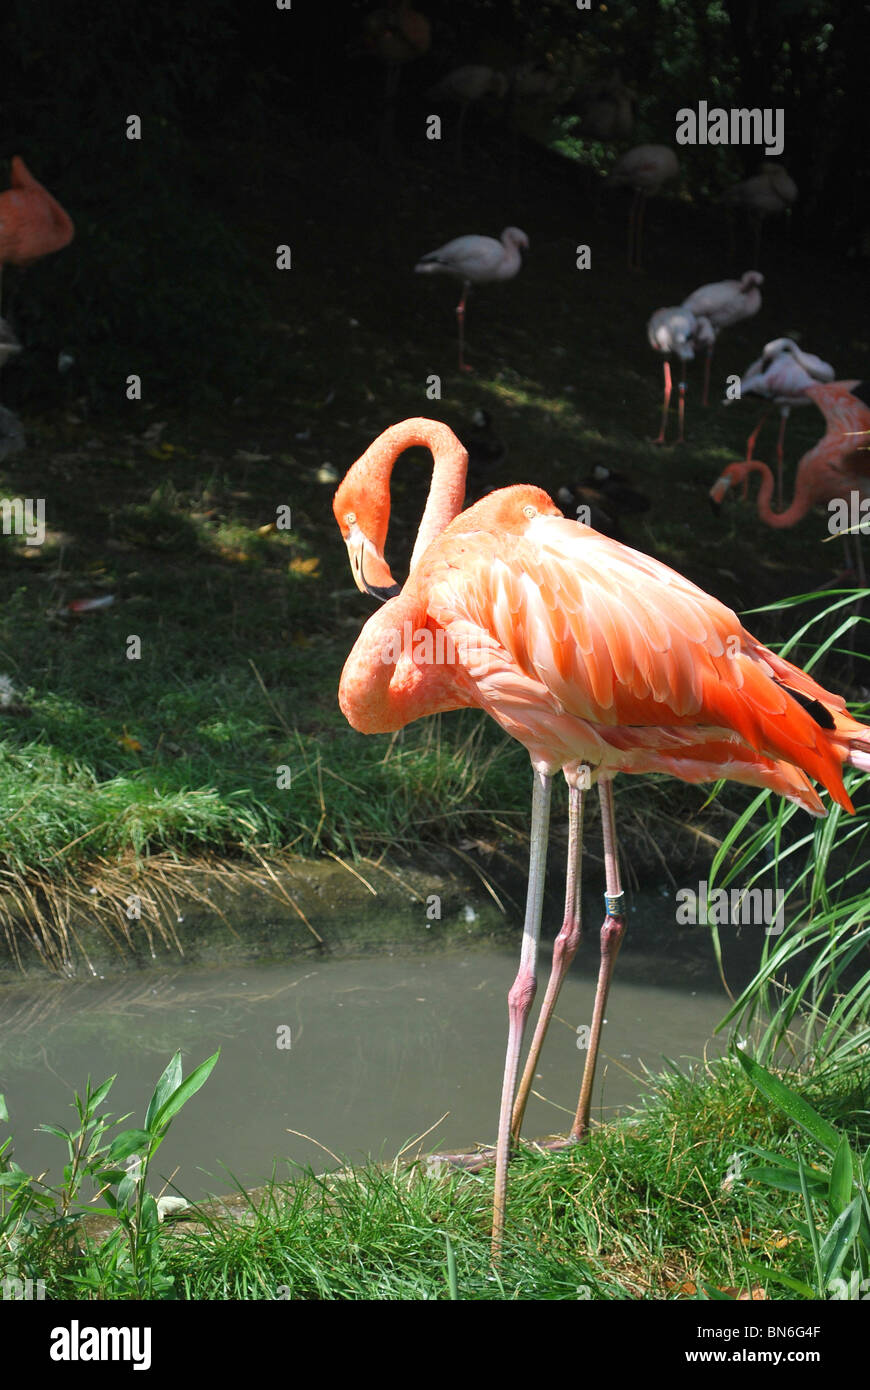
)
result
[(733, 474), (514, 236), (363, 519)]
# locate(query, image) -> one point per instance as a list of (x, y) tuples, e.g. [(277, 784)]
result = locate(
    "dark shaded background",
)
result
[(225, 90)]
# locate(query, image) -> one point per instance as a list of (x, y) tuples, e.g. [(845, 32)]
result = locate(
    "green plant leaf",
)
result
[(840, 1189), (794, 1105), (167, 1084), (123, 1145), (183, 1093), (839, 1240)]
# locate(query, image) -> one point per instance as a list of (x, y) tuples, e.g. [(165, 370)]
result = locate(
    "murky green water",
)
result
[(381, 1049)]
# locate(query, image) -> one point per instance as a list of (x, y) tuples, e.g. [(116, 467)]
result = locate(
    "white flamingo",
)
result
[(782, 374), (475, 260), (677, 331), (723, 303), (645, 169)]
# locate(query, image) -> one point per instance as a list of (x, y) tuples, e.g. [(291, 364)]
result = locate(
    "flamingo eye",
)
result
[(530, 511), (350, 518)]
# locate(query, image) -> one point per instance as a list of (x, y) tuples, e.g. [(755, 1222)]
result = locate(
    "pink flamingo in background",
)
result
[(677, 331), (723, 303), (597, 659), (32, 223), (475, 260), (782, 374), (838, 467), (645, 169)]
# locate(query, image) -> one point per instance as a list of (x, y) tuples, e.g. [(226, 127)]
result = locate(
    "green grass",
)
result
[(654, 1206)]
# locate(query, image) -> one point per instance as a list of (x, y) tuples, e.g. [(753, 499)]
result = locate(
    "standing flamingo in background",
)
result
[(677, 331), (838, 467), (723, 303), (782, 374), (475, 260), (32, 223), (645, 169), (597, 659), (767, 194), (464, 86), (396, 35)]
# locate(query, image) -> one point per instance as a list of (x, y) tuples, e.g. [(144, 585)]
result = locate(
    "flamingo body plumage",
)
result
[(724, 303), (32, 223)]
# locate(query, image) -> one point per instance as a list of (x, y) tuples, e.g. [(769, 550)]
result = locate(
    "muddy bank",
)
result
[(166, 913)]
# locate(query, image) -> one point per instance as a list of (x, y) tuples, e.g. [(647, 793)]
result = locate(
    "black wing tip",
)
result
[(817, 711)]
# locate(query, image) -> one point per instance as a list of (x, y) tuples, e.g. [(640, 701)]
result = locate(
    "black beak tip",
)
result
[(382, 594)]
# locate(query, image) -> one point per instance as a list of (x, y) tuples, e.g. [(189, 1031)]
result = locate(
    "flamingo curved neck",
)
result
[(447, 488), (801, 502)]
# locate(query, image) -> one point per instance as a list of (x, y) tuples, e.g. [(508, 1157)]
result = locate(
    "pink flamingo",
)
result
[(782, 374), (645, 169), (475, 260), (597, 659), (32, 223), (677, 331), (837, 468), (723, 303)]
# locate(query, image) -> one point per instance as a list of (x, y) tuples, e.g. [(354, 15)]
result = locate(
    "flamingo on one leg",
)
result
[(475, 260), (591, 655)]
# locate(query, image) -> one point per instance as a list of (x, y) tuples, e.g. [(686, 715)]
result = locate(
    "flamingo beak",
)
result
[(371, 573), (717, 493)]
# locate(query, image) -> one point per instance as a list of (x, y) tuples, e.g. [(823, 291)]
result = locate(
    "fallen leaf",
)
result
[(310, 565)]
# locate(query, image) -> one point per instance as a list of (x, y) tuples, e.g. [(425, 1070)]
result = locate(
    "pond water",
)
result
[(380, 1049)]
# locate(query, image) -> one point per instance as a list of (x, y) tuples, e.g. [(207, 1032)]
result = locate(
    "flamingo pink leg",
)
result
[(751, 441), (681, 411), (564, 951), (665, 403), (521, 995), (460, 316), (612, 932), (783, 419)]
